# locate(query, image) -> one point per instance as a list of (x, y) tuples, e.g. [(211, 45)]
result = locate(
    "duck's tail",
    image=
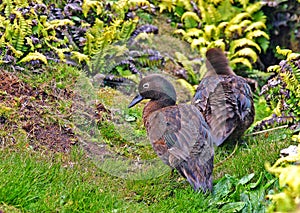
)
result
[(216, 62), (199, 175)]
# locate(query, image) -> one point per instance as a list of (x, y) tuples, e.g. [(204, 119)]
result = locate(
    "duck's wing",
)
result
[(189, 142), (210, 99), (226, 103)]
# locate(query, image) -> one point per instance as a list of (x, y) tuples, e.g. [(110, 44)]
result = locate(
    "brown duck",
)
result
[(178, 133), (224, 99)]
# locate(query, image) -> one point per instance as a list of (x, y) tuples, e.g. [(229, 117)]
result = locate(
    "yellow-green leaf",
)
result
[(256, 34), (243, 42), (246, 52), (34, 56), (241, 60), (190, 15), (256, 25)]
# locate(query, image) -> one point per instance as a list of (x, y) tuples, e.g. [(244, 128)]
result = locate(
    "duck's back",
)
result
[(226, 102), (182, 139)]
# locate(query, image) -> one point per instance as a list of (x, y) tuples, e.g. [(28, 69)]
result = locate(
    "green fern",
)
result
[(140, 3), (240, 30), (9, 7), (34, 56), (285, 95), (127, 29), (188, 66), (80, 57), (168, 5), (90, 4), (58, 23), (243, 42), (20, 32)]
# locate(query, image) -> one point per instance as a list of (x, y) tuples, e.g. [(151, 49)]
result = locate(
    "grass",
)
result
[(252, 155), (33, 181)]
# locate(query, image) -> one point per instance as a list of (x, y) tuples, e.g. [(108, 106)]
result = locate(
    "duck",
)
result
[(178, 133), (224, 99)]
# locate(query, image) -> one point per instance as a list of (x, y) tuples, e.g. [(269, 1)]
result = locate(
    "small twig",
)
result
[(267, 130), (229, 156)]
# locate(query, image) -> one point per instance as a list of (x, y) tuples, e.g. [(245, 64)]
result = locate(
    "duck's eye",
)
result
[(146, 85)]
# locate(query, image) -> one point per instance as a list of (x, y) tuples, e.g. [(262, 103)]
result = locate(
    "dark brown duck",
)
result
[(224, 99), (178, 133)]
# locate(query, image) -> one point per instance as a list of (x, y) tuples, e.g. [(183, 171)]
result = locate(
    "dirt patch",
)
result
[(39, 117)]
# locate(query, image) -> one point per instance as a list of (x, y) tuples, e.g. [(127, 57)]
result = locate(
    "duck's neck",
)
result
[(155, 105)]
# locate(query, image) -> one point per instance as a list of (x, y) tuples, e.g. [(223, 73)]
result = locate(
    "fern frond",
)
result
[(193, 32), (256, 25), (211, 15), (241, 60), (244, 3), (80, 57), (199, 42), (89, 44), (127, 29), (290, 80), (16, 52), (253, 8), (230, 29), (59, 23), (139, 3), (20, 31), (246, 52), (190, 15), (293, 56), (166, 5), (274, 68), (245, 23), (180, 31), (186, 4), (188, 66), (216, 1), (90, 4), (243, 42), (190, 19), (287, 53), (29, 42), (284, 52), (9, 7), (218, 43), (222, 25), (148, 37), (2, 41), (211, 31), (257, 33), (239, 17), (119, 50), (34, 56)]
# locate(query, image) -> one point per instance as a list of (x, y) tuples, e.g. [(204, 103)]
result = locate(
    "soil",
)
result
[(34, 115)]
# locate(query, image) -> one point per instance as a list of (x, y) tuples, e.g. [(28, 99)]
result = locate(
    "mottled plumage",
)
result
[(224, 99), (178, 133)]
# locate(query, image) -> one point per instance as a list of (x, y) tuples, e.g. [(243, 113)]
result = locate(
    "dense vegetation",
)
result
[(68, 68)]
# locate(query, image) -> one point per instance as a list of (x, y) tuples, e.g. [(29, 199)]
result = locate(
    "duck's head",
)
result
[(155, 87)]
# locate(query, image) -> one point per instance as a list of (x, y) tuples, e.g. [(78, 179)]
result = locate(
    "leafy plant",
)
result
[(237, 27), (287, 170), (241, 195), (33, 31), (282, 91)]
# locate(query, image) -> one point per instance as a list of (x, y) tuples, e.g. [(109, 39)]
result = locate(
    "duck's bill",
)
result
[(136, 100)]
